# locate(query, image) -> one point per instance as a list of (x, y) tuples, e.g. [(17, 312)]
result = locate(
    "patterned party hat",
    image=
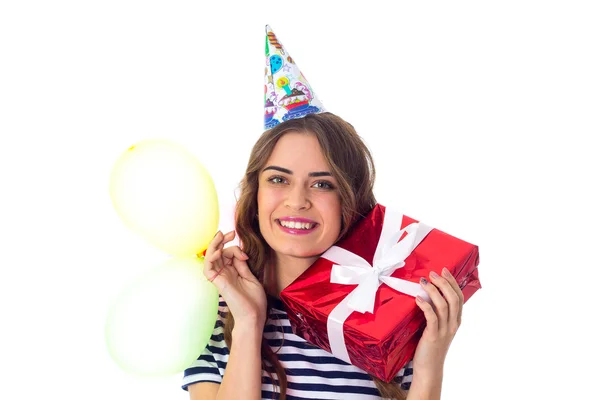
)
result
[(288, 94)]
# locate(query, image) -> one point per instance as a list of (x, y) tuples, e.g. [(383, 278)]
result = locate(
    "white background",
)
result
[(480, 115)]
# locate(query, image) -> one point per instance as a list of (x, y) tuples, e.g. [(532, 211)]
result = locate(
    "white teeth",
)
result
[(297, 225)]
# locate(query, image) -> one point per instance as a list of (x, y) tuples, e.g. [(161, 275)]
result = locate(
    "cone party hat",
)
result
[(288, 94)]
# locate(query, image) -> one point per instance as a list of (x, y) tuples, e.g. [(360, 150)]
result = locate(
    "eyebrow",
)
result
[(287, 171)]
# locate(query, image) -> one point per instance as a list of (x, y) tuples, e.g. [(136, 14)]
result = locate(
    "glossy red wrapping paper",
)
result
[(383, 342)]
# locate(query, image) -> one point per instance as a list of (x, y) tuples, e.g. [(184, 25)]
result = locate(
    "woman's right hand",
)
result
[(244, 294)]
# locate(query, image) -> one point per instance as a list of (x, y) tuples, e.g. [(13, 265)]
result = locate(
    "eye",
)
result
[(276, 179), (323, 185)]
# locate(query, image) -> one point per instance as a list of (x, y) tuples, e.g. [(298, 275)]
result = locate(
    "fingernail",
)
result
[(446, 273), (423, 281), (434, 275), (216, 234), (419, 299), (245, 255)]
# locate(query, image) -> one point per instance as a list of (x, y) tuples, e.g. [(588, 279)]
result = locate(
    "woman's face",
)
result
[(298, 202)]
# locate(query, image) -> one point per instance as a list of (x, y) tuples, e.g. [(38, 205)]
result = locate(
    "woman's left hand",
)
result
[(443, 320)]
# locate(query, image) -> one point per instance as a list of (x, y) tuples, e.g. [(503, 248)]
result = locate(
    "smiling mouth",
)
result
[(297, 225)]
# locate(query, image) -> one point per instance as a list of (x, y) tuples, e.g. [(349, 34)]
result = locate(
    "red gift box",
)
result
[(395, 250)]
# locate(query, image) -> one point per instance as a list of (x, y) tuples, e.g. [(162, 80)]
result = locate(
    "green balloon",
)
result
[(161, 322)]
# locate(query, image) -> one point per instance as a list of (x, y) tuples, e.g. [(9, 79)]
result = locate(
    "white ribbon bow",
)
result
[(352, 269)]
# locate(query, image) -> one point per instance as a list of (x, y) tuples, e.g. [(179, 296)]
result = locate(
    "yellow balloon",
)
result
[(162, 192)]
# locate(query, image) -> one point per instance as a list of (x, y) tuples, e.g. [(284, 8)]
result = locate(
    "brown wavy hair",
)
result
[(351, 164)]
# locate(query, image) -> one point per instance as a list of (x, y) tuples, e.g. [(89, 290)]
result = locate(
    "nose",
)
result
[(297, 199)]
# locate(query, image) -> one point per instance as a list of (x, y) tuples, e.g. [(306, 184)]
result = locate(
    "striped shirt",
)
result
[(312, 373)]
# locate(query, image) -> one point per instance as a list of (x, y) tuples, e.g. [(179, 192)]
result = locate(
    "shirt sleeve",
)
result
[(210, 365), (404, 376)]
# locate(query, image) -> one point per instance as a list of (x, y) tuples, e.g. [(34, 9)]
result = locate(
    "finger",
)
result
[(217, 259), (228, 237), (439, 303), (238, 259), (461, 298), (450, 300), (216, 272), (203, 253), (220, 240), (430, 316), (243, 270), (450, 297), (213, 263), (214, 244), (234, 252)]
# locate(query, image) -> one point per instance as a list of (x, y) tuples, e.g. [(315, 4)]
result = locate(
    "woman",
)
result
[(307, 182)]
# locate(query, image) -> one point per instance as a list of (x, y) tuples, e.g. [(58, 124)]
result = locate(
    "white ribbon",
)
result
[(352, 269)]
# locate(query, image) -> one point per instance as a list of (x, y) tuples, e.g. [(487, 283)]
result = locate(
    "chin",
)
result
[(300, 253)]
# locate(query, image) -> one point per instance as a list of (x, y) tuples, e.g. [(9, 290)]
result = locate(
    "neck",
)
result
[(287, 269)]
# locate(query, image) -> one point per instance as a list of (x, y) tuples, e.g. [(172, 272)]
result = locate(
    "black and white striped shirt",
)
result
[(312, 373)]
